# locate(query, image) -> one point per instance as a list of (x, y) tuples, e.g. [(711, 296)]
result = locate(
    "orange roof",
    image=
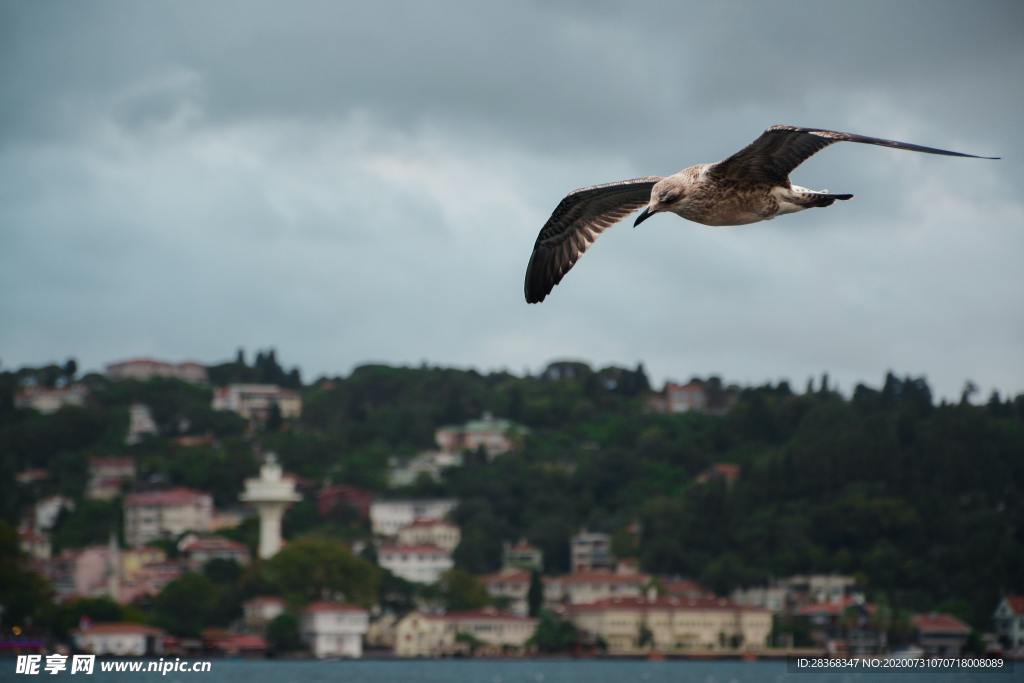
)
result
[(326, 606), (116, 627), (940, 623), (175, 496), (832, 608)]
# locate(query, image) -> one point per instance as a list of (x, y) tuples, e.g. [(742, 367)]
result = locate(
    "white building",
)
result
[(388, 516), (165, 514), (140, 424), (512, 586), (584, 587), (591, 551), (433, 635), (428, 464), (199, 551), (1009, 622), (108, 477), (425, 531), (120, 639), (144, 369), (416, 563), (494, 435), (259, 611), (334, 629), (521, 555), (48, 509), (255, 401), (48, 401)]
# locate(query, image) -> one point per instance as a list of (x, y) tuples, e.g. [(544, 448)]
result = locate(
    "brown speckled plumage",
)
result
[(751, 185)]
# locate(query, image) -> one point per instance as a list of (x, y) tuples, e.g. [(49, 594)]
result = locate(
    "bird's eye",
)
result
[(667, 197)]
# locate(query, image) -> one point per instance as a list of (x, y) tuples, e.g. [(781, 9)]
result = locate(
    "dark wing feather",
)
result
[(575, 223), (773, 156)]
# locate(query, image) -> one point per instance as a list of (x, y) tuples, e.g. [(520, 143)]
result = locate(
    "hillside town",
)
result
[(391, 566)]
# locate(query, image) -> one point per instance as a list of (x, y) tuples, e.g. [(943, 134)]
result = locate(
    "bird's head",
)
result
[(665, 196)]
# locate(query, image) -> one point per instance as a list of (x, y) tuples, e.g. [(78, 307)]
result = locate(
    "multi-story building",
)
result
[(416, 563), (144, 369), (388, 516), (685, 398), (257, 401), (512, 586), (334, 629), (521, 555), (426, 531), (590, 551), (108, 477), (199, 551), (1009, 622), (494, 435), (434, 635), (154, 515), (140, 424), (590, 586), (670, 625), (49, 400)]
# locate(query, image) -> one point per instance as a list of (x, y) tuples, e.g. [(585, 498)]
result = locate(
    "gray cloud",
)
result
[(353, 182)]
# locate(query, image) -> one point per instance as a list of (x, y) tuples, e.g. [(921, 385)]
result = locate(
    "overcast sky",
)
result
[(354, 182)]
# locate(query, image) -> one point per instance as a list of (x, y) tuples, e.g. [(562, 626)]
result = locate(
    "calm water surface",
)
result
[(510, 672)]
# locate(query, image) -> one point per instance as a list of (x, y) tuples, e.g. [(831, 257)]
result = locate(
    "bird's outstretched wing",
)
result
[(773, 156), (575, 223)]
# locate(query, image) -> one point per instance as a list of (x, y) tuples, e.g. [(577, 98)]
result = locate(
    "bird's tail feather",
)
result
[(819, 200)]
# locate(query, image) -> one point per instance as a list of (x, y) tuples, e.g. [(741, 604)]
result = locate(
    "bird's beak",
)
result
[(644, 215)]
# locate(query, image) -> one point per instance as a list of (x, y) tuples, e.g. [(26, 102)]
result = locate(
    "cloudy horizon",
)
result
[(352, 184)]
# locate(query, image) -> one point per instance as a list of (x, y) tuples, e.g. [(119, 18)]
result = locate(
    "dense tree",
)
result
[(311, 569)]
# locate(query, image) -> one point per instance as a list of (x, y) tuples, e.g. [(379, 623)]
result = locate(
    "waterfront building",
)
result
[(334, 629), (119, 639), (1009, 622), (631, 626), (487, 630)]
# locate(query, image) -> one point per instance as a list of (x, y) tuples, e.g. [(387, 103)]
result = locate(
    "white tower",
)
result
[(271, 495)]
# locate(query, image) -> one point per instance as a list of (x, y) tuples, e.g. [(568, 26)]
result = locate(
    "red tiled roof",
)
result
[(424, 549), (1016, 603), (666, 603), (175, 496), (119, 627), (939, 623), (831, 608), (509, 576), (325, 606), (215, 543), (598, 576), (483, 615)]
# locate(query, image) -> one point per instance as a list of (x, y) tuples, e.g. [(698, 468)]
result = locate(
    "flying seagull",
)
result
[(750, 186)]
